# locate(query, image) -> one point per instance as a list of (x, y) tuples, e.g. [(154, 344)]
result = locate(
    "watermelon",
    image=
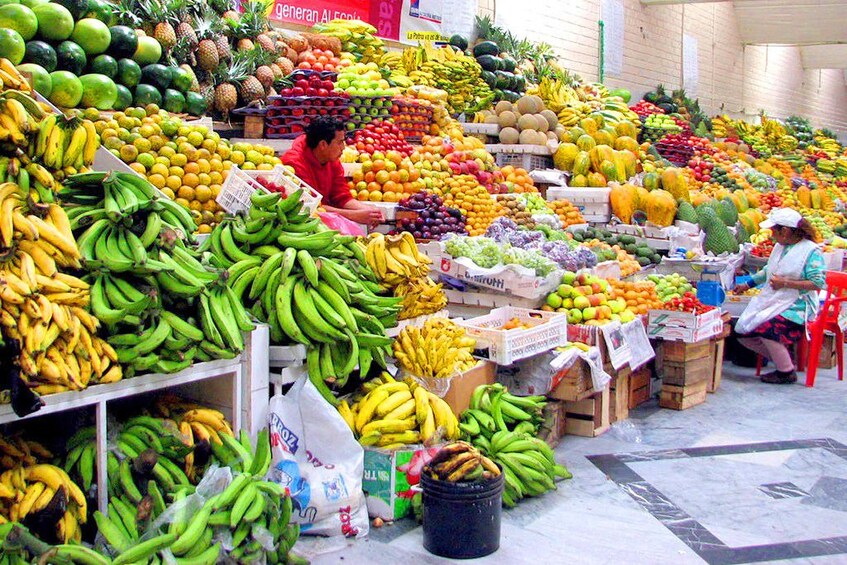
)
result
[(173, 101), (129, 73), (70, 57), (42, 54), (124, 42), (195, 104), (104, 65), (157, 75), (123, 100), (146, 94), (486, 48)]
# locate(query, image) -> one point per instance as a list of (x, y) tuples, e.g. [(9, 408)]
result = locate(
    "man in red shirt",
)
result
[(314, 157)]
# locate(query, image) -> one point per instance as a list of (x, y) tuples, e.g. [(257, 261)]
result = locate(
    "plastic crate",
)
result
[(525, 161), (240, 184), (504, 347)]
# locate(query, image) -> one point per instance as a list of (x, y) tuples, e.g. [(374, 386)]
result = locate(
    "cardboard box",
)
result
[(576, 384), (639, 386), (461, 387), (683, 397), (554, 425), (389, 477), (589, 417), (690, 335), (682, 319), (828, 358), (503, 280)]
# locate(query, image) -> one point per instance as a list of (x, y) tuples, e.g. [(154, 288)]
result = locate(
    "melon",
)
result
[(551, 136), (491, 119), (589, 125), (526, 105), (552, 119), (509, 136), (541, 138), (507, 119), (527, 122), (503, 106), (541, 123), (539, 103), (527, 137)]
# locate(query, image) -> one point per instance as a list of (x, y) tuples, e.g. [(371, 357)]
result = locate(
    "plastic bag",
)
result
[(316, 457), (341, 224)]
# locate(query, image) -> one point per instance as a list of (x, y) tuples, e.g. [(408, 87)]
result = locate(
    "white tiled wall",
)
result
[(733, 78)]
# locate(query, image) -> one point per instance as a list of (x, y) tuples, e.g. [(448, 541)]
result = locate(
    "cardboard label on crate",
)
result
[(683, 319), (593, 358), (619, 351), (688, 335), (512, 279), (639, 344)]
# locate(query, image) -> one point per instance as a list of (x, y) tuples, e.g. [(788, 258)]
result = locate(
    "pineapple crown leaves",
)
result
[(124, 13)]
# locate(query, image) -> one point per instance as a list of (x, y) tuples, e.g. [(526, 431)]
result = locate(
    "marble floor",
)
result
[(756, 474)]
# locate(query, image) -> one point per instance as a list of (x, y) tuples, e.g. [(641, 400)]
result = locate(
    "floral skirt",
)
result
[(779, 329)]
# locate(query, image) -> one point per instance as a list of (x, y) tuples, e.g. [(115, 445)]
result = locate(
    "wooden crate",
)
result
[(254, 127), (689, 372), (679, 351), (589, 417), (619, 396), (576, 384), (639, 386), (554, 425), (717, 370), (683, 397), (828, 359)]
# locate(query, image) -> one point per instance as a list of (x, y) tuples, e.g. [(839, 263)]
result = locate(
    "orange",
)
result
[(138, 168), (173, 182), (190, 179), (378, 165), (205, 178), (375, 197), (203, 193), (374, 187), (182, 202), (168, 192), (382, 177), (216, 189), (204, 228), (192, 168), (389, 186), (362, 195), (186, 192), (194, 205), (157, 180), (176, 171), (204, 165), (390, 197)]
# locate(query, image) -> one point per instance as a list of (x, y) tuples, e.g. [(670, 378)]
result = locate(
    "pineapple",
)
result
[(225, 98), (124, 13), (222, 45), (156, 14), (277, 71), (208, 58), (266, 43), (244, 44), (252, 89), (285, 65), (265, 75), (207, 91), (231, 15)]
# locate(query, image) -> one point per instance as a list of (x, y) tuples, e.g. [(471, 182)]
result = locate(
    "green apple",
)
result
[(626, 316), (568, 277), (554, 301), (565, 290), (574, 316), (589, 313), (581, 302), (617, 307), (567, 303)]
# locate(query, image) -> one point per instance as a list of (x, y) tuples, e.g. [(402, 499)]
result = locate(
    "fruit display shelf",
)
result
[(655, 237), (238, 387), (527, 157), (287, 117)]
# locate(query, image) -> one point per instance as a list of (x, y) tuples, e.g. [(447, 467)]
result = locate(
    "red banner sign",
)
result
[(311, 12)]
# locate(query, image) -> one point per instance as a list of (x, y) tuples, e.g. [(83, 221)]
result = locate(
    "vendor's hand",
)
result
[(741, 288), (370, 217), (778, 283)]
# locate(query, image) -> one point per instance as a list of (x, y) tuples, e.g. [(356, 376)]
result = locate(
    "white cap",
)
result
[(782, 217)]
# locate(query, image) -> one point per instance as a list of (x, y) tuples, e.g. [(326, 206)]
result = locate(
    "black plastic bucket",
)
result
[(461, 520)]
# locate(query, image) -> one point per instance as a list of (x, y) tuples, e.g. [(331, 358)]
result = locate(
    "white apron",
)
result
[(771, 303)]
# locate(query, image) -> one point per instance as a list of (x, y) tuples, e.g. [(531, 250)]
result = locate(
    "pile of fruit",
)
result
[(463, 192), (380, 137), (387, 413), (432, 218), (460, 462), (413, 117), (669, 287), (388, 177), (567, 212), (309, 284), (188, 163), (589, 300), (640, 297), (526, 122), (596, 153), (439, 349), (644, 254), (517, 179), (688, 302)]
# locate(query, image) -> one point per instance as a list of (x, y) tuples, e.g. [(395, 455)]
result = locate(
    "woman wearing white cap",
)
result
[(776, 318)]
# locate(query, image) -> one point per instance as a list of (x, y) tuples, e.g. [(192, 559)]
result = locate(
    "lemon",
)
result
[(128, 153), (237, 158), (146, 160), (195, 138)]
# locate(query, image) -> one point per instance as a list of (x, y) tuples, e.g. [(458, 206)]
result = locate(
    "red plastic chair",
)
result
[(827, 321)]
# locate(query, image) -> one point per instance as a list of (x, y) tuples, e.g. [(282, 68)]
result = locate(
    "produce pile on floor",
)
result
[(147, 271)]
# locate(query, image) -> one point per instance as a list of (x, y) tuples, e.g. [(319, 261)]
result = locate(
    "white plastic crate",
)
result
[(592, 203), (240, 184), (504, 347)]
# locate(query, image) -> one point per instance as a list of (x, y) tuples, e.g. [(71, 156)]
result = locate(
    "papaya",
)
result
[(585, 142), (630, 163), (596, 180), (661, 208), (650, 181), (620, 166), (622, 198), (575, 133), (602, 137), (626, 129), (598, 119), (578, 181), (608, 169), (740, 199), (626, 142), (600, 153), (674, 182), (565, 156), (589, 125), (804, 196), (642, 197), (581, 163)]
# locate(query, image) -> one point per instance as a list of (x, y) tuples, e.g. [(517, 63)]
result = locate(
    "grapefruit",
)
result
[(33, 3), (149, 51), (12, 45), (55, 22), (92, 35), (19, 18), (67, 89), (98, 91), (38, 77)]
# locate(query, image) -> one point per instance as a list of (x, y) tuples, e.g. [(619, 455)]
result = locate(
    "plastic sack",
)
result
[(341, 224), (316, 457)]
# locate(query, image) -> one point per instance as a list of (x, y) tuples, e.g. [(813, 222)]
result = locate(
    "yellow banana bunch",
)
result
[(421, 296), (357, 37), (195, 421), (395, 258), (11, 77), (719, 126), (439, 349), (26, 490), (391, 414)]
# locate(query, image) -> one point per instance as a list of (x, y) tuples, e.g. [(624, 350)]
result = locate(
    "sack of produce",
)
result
[(317, 458)]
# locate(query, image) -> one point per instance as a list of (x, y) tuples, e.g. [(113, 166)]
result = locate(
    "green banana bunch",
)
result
[(164, 306), (493, 409), (310, 285), (528, 464)]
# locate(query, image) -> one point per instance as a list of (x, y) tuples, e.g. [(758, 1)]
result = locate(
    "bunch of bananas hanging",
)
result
[(461, 462), (44, 309), (421, 297), (454, 72), (394, 258), (388, 413), (439, 349), (309, 284), (555, 93), (357, 37), (16, 451), (492, 408), (529, 465), (65, 144), (46, 494), (164, 308)]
